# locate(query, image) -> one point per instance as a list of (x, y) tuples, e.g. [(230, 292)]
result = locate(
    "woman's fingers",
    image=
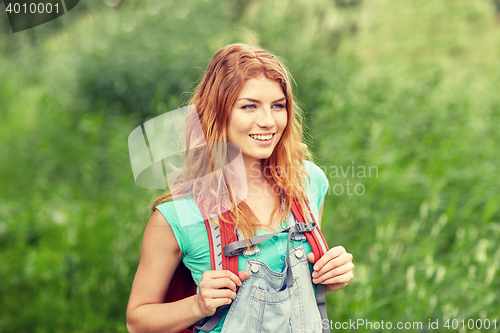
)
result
[(208, 306), (218, 293), (334, 268), (319, 277), (331, 261), (336, 286), (217, 288), (243, 275), (311, 258), (215, 283), (332, 253), (328, 278), (221, 274)]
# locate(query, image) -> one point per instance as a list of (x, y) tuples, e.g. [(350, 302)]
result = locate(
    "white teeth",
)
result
[(262, 137)]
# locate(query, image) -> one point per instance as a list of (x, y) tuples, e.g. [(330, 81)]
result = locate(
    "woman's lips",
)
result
[(263, 139)]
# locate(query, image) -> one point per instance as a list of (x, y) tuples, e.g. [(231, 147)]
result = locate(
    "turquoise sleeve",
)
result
[(316, 187), (324, 187), (169, 213)]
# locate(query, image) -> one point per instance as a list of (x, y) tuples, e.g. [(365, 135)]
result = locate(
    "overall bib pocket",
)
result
[(270, 311)]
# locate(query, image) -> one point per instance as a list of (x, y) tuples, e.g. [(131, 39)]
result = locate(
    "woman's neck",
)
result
[(262, 197), (254, 172)]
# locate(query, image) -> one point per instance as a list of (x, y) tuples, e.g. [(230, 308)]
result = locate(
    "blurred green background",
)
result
[(408, 87)]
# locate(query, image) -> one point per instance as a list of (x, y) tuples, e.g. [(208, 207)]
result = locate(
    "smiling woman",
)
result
[(245, 99)]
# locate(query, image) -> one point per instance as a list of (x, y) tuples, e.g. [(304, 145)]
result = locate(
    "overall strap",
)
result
[(237, 248)]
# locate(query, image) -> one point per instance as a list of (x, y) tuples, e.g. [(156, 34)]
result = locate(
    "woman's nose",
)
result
[(266, 118)]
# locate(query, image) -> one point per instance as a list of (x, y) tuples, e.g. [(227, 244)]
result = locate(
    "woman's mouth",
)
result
[(262, 137)]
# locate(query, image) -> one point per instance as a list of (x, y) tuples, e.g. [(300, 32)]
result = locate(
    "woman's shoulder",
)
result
[(310, 166), (315, 173), (186, 221), (316, 186), (181, 212)]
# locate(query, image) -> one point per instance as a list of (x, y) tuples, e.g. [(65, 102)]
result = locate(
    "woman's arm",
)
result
[(146, 311), (160, 256)]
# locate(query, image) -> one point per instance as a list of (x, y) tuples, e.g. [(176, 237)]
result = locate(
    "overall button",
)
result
[(299, 254), (275, 237), (280, 247), (254, 268)]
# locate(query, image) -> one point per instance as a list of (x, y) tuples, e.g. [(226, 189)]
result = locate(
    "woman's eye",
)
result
[(279, 106), (249, 107)]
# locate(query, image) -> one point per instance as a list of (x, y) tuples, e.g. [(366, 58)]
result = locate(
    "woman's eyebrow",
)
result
[(249, 99), (257, 101), (279, 100)]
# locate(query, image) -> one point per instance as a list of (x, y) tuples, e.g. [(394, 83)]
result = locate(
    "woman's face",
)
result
[(258, 118)]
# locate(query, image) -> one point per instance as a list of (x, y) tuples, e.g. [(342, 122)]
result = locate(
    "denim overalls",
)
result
[(264, 303)]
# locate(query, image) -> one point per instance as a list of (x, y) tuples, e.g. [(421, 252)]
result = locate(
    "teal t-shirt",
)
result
[(186, 221)]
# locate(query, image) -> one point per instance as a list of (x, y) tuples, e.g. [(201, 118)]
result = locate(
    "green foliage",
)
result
[(408, 88)]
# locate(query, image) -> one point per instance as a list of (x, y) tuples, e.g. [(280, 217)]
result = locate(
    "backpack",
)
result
[(183, 285)]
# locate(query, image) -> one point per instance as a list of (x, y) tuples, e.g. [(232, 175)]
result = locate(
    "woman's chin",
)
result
[(257, 157)]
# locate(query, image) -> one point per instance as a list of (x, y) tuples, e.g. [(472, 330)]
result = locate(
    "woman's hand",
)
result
[(218, 288), (334, 268)]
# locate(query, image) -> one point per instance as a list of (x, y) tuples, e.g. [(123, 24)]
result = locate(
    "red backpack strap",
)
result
[(228, 236), (213, 234), (217, 239), (314, 237), (319, 248)]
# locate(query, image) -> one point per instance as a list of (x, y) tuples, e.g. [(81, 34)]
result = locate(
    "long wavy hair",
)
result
[(214, 98)]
